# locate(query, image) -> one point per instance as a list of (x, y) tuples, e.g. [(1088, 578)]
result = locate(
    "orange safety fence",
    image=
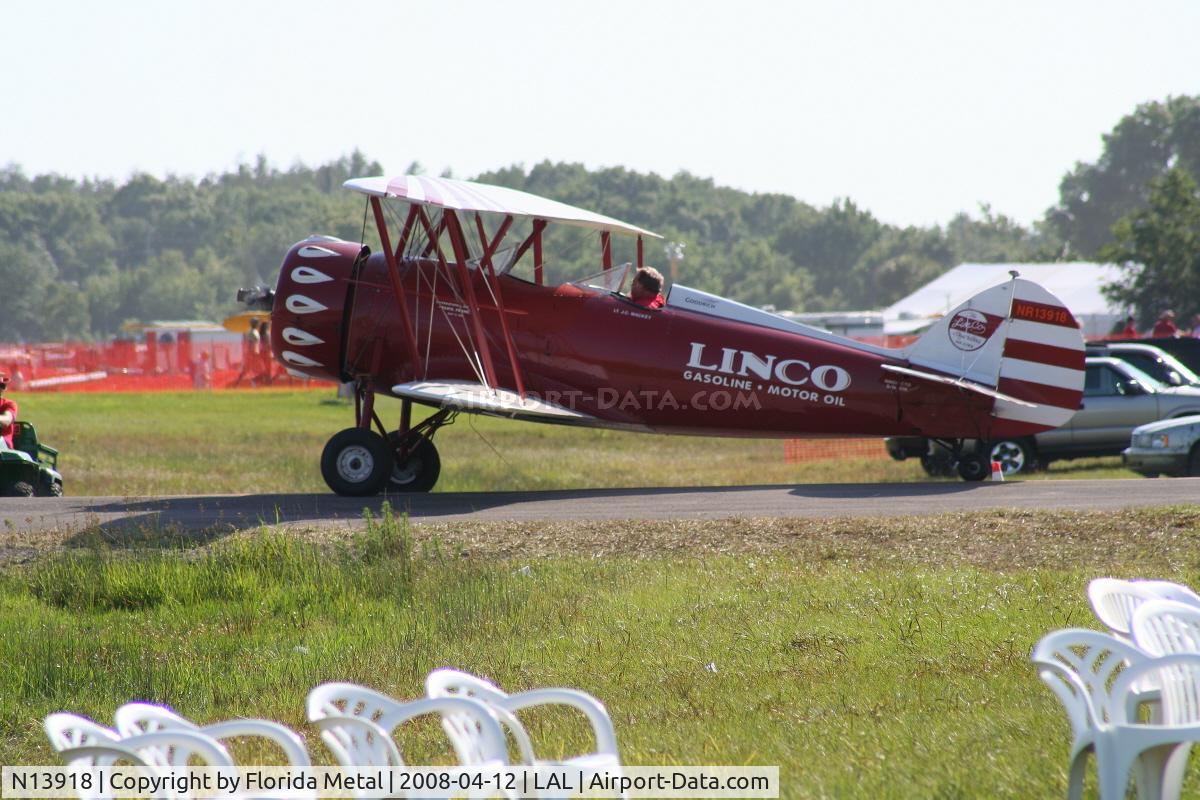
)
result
[(798, 451), (175, 361)]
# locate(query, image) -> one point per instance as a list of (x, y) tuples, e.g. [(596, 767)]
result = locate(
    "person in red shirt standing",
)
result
[(646, 290), (8, 413), (1165, 327), (1130, 330)]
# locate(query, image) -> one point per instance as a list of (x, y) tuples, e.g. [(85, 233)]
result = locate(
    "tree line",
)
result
[(78, 258)]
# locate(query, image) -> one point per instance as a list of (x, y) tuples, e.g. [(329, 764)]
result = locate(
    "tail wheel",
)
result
[(1014, 455), (416, 467), (974, 466), (356, 462)]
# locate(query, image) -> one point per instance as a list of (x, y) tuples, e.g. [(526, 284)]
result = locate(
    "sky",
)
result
[(915, 110)]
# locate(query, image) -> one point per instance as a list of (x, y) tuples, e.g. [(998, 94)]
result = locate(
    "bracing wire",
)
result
[(499, 455), (471, 353)]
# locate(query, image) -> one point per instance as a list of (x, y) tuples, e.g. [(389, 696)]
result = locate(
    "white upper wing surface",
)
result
[(469, 196)]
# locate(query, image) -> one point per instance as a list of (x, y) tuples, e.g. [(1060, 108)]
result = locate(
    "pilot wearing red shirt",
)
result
[(646, 290), (8, 413)]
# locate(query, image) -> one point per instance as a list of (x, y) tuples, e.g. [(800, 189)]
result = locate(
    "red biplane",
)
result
[(457, 312)]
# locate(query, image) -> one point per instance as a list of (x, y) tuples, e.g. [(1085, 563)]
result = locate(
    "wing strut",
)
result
[(461, 255), (397, 288), (485, 262), (452, 227)]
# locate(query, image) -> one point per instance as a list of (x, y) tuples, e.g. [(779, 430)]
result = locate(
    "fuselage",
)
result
[(674, 370)]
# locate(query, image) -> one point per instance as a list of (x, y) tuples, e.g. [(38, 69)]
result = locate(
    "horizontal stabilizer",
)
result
[(958, 383), (480, 399)]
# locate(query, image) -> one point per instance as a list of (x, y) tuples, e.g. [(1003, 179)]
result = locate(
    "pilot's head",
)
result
[(648, 282)]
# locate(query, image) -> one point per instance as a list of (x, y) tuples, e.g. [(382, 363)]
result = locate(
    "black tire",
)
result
[(1194, 462), (1015, 455), (356, 462), (52, 488), (974, 467), (420, 469), (20, 489)]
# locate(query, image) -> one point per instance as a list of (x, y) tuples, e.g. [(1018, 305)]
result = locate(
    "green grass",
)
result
[(271, 441), (879, 658), (868, 658)]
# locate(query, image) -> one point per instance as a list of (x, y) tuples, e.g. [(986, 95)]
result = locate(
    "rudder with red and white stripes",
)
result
[(1017, 338)]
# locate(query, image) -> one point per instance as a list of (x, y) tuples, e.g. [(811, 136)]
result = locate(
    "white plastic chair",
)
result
[(1114, 600), (1160, 750), (1170, 590), (69, 731), (88, 748), (358, 742), (137, 718), (1082, 667), (455, 683), (351, 701), (1165, 627), (1161, 628)]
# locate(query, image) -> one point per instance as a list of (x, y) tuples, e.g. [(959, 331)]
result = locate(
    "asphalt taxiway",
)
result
[(233, 512)]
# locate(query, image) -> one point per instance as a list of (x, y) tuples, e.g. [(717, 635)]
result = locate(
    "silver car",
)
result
[(1167, 447), (1117, 397)]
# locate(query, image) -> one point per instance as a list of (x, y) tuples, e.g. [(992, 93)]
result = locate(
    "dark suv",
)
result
[(1150, 359)]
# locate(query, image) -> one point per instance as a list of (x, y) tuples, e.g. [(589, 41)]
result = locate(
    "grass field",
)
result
[(271, 441), (883, 658), (868, 658)]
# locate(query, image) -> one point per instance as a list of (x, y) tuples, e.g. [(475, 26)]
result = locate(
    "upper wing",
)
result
[(470, 196)]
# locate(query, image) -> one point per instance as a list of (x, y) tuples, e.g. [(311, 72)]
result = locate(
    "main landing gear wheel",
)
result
[(416, 467), (356, 462)]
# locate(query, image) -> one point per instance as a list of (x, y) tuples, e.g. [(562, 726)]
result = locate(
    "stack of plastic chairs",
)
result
[(453, 683), (135, 719), (358, 725), (1106, 681), (80, 742)]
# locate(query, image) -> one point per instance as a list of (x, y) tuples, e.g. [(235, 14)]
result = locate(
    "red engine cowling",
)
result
[(312, 299)]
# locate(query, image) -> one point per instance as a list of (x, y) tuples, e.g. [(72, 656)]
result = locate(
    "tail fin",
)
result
[(1018, 339)]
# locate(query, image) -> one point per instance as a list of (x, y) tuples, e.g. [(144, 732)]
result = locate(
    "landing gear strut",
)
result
[(972, 465), (359, 461), (416, 462)]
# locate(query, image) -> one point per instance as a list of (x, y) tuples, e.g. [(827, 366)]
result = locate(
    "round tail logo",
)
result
[(970, 329)]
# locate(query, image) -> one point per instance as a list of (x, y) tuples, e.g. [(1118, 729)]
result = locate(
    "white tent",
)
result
[(1076, 283)]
